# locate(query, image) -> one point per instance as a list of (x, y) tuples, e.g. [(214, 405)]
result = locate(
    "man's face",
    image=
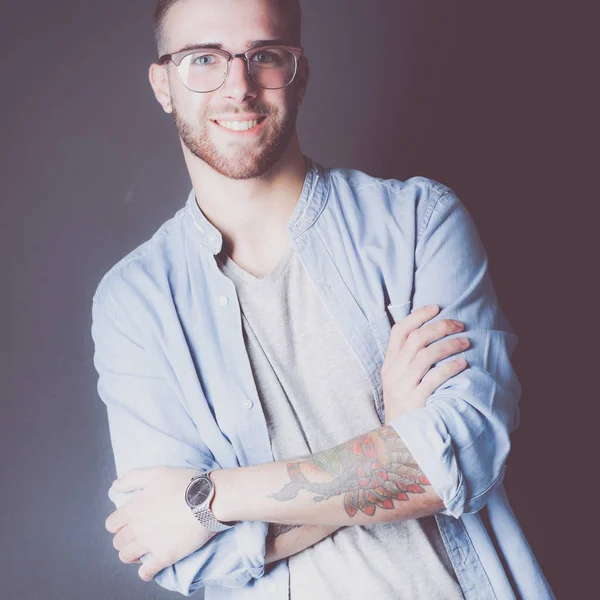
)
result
[(234, 24)]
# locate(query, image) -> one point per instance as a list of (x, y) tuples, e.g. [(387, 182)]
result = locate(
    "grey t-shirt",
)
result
[(315, 395)]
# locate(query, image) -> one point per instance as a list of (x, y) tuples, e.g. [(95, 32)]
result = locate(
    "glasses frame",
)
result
[(177, 57)]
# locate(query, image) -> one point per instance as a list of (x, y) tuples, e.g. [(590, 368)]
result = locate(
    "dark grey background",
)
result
[(492, 100)]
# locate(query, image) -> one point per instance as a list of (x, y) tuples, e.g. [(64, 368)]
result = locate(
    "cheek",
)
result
[(284, 102), (189, 105), (194, 110)]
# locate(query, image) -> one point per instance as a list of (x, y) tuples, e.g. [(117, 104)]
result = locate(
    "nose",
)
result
[(239, 85)]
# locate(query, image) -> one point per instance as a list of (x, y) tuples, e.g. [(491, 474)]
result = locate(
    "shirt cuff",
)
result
[(425, 435)]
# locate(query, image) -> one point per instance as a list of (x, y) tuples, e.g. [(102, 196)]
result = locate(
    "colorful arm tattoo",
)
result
[(371, 470)]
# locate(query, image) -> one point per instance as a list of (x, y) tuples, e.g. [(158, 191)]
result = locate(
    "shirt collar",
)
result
[(312, 199)]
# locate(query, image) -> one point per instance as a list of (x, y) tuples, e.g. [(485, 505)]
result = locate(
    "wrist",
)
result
[(219, 506)]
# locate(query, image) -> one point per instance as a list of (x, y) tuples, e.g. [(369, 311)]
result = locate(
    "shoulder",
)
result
[(419, 196), (357, 179), (144, 271)]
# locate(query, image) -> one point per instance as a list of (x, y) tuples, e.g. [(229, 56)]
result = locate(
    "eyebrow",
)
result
[(249, 45)]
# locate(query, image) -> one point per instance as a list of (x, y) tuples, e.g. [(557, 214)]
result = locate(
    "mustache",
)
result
[(259, 108)]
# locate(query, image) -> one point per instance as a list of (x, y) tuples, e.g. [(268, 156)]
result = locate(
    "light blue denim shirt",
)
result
[(176, 380)]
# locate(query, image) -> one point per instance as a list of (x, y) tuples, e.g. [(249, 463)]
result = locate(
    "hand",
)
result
[(156, 519), (406, 376)]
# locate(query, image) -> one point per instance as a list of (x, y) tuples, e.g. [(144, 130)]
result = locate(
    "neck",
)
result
[(251, 214)]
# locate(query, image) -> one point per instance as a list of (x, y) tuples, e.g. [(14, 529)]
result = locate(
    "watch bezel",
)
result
[(192, 482)]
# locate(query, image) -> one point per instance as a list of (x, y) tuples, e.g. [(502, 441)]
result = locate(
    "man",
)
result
[(274, 434)]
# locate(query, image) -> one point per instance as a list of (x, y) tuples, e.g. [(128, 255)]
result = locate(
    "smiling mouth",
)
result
[(239, 125)]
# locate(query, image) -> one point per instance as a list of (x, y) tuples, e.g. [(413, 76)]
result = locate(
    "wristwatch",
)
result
[(198, 496)]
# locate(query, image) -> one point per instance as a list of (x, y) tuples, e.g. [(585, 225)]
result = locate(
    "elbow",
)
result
[(478, 448), (463, 458), (477, 465), (231, 559), (482, 473), (187, 576)]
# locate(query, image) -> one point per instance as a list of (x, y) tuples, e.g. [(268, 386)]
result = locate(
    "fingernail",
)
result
[(458, 323)]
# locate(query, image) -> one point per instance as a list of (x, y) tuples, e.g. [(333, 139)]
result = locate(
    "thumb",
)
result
[(135, 479)]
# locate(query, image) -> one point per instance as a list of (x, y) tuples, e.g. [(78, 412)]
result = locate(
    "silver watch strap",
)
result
[(208, 520)]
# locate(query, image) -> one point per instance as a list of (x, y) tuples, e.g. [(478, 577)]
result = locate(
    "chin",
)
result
[(245, 169), (242, 163)]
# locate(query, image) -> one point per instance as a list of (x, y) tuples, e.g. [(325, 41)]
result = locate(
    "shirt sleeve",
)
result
[(460, 439), (150, 426)]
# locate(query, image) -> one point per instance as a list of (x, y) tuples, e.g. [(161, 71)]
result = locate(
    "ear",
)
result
[(302, 79), (159, 80)]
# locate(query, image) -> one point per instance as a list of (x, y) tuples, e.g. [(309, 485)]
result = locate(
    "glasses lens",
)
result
[(203, 71), (272, 68)]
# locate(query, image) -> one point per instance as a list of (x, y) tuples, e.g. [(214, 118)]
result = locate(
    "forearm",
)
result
[(369, 479), (287, 540)]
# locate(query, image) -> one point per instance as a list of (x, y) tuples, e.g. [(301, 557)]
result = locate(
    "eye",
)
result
[(264, 57), (204, 60)]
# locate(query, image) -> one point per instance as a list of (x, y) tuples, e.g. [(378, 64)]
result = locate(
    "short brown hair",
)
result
[(291, 7)]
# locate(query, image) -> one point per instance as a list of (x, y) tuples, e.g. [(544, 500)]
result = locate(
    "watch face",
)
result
[(198, 491)]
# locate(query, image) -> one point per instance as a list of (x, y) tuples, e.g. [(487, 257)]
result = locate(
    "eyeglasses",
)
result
[(206, 69)]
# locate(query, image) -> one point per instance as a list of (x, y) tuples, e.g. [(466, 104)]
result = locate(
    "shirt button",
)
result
[(247, 404), (223, 300)]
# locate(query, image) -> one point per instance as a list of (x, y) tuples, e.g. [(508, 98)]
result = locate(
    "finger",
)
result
[(427, 357), (430, 333), (135, 479), (435, 377), (402, 329), (149, 569), (132, 552), (116, 520), (123, 537)]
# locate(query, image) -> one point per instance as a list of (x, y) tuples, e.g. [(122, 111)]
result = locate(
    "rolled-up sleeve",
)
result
[(461, 438), (149, 426)]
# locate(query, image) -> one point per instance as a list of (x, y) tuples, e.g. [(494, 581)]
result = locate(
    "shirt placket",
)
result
[(243, 398), (344, 310)]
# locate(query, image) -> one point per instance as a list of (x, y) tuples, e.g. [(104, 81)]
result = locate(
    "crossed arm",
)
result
[(369, 479), (356, 482)]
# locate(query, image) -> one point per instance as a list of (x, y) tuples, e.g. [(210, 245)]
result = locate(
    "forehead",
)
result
[(232, 23)]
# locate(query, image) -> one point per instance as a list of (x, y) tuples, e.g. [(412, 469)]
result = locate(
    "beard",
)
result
[(239, 160)]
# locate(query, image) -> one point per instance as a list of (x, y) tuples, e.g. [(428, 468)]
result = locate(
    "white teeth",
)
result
[(238, 125)]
